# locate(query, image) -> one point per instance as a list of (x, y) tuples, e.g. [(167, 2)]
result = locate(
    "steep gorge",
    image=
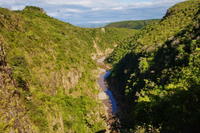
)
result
[(49, 73)]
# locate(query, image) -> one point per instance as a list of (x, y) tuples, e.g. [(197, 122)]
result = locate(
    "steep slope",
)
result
[(156, 74), (13, 113), (151, 37), (50, 69), (134, 24)]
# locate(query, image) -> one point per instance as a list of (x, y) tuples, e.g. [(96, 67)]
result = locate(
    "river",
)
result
[(106, 93), (106, 96)]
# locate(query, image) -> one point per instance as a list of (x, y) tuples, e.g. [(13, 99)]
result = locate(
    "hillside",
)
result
[(155, 74), (153, 36), (48, 82), (133, 24)]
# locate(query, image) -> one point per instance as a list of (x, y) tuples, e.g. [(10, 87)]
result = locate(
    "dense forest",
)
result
[(156, 74), (133, 24), (48, 81)]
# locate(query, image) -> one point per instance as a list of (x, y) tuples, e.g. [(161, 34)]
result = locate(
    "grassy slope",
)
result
[(134, 24), (158, 73), (52, 70), (149, 39)]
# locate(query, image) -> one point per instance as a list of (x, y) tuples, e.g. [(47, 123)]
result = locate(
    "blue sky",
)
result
[(96, 11)]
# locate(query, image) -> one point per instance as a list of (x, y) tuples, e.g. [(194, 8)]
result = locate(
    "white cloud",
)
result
[(117, 8), (91, 10), (95, 5), (71, 10), (96, 9), (17, 7), (99, 22), (68, 2)]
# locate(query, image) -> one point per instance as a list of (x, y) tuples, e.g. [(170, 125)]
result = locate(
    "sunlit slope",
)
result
[(153, 36)]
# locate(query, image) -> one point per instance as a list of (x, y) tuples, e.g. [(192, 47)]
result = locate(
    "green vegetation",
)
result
[(48, 83), (50, 72), (133, 24), (157, 74), (153, 36)]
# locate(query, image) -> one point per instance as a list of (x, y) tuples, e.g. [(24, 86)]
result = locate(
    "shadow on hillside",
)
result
[(177, 112)]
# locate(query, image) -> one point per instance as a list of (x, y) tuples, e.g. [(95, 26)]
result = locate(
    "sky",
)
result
[(96, 11)]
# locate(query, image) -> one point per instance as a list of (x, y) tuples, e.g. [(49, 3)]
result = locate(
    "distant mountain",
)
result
[(133, 24), (91, 25)]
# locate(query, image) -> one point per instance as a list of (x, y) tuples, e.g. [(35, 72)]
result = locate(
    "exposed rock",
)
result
[(102, 96), (103, 30)]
